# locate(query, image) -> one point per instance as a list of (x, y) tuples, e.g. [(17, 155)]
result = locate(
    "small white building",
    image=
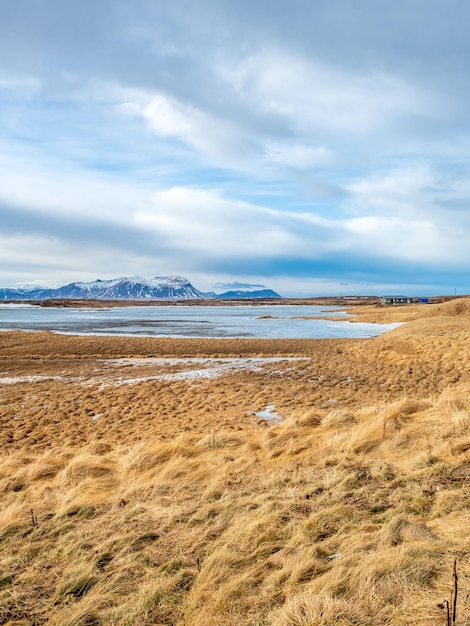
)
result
[(396, 300)]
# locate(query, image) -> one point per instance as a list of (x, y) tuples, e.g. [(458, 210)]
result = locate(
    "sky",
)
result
[(317, 147)]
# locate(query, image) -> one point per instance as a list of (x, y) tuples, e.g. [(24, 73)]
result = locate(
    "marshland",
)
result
[(142, 483)]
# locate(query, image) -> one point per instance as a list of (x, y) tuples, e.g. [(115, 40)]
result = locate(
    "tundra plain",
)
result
[(141, 482)]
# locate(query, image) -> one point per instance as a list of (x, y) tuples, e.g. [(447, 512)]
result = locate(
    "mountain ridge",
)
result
[(241, 294), (172, 287)]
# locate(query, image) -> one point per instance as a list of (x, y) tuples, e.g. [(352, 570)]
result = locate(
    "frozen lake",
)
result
[(273, 321)]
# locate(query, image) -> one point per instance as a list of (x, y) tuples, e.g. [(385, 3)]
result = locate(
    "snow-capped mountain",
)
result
[(136, 288)]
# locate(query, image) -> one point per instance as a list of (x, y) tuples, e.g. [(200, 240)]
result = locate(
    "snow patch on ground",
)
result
[(201, 360), (211, 367), (270, 414), (9, 380)]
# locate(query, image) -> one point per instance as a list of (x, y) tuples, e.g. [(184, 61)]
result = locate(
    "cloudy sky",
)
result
[(313, 146)]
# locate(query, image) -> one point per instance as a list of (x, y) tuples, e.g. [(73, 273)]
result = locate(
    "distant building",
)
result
[(396, 300)]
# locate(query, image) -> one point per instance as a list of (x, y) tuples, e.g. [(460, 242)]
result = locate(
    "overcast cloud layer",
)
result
[(313, 146)]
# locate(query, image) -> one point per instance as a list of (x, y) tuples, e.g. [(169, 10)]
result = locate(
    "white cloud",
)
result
[(411, 240), (220, 140), (316, 97), (41, 258), (276, 109), (53, 261), (224, 142), (419, 192), (397, 216), (405, 191), (407, 214), (203, 221), (47, 186)]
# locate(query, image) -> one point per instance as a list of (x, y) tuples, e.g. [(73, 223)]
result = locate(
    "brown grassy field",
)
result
[(138, 485)]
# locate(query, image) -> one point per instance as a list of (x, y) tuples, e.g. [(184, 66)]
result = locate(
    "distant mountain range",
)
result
[(240, 294), (136, 288)]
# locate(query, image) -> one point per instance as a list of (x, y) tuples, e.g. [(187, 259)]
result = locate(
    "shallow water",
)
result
[(274, 321)]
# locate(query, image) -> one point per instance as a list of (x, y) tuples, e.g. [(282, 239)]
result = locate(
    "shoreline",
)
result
[(317, 301), (341, 301)]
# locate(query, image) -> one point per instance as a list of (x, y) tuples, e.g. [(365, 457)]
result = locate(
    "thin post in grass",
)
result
[(455, 592), (451, 607)]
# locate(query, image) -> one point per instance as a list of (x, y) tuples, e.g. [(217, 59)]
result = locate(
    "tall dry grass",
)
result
[(334, 517), (350, 512)]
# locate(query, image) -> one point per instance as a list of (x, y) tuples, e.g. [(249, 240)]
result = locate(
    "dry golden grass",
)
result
[(178, 505)]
